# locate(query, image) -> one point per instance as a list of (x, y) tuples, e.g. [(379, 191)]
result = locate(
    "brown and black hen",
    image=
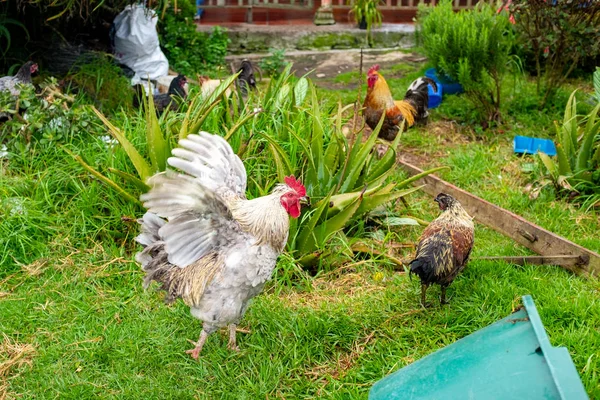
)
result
[(444, 246)]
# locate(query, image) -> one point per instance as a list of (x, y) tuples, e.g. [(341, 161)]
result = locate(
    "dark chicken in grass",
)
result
[(245, 79), (22, 77), (444, 246), (164, 100)]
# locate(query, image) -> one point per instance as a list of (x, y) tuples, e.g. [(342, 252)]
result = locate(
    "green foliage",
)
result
[(274, 63), (42, 120), (578, 152), (344, 180), (597, 84), (366, 10), (471, 47), (558, 35), (158, 140), (5, 35), (99, 78), (191, 52)]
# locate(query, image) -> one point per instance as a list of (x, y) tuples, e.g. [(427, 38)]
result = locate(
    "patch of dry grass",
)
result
[(13, 357)]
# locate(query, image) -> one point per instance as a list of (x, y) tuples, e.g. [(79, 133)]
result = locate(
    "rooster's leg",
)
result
[(423, 291), (443, 298), (195, 352), (232, 345)]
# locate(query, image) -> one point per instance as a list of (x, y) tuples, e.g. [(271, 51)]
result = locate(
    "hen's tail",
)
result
[(423, 268), (153, 257), (418, 95)]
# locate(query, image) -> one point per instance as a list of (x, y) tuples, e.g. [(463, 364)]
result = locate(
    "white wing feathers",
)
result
[(199, 221), (210, 159)]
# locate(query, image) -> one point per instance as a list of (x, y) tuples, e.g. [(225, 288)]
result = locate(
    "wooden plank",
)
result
[(562, 261), (530, 235)]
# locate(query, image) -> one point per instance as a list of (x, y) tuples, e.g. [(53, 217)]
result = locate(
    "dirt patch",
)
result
[(329, 289), (326, 65)]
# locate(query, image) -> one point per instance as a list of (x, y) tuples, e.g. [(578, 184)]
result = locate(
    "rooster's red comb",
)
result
[(373, 69), (296, 185)]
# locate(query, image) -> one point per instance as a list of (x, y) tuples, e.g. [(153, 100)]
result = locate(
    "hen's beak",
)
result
[(305, 200)]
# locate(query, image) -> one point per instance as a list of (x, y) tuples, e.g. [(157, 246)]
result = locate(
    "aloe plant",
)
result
[(344, 179), (159, 141), (578, 151)]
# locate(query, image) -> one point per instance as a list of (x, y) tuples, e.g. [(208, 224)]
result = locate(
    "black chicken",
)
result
[(444, 246), (164, 100), (245, 79)]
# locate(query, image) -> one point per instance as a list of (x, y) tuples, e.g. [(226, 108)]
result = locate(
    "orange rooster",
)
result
[(413, 109)]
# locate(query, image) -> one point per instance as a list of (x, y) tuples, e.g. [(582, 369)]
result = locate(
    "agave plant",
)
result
[(159, 141), (344, 180), (578, 151)]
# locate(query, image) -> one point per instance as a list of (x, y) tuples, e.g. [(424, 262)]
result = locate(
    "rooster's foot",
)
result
[(232, 345), (195, 352)]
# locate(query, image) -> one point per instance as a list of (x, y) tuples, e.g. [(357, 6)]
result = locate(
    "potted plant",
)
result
[(365, 14)]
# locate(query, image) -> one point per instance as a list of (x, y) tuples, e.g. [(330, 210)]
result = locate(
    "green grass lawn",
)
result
[(76, 322)]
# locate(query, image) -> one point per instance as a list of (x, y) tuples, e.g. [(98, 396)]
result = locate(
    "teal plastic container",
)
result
[(510, 359)]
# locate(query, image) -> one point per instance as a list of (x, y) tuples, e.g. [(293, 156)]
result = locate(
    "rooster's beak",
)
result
[(305, 200)]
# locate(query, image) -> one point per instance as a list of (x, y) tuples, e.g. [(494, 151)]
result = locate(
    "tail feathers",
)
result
[(420, 84), (418, 95), (150, 223), (423, 268), (153, 257)]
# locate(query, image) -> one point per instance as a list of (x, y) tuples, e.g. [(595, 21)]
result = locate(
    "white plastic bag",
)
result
[(136, 43)]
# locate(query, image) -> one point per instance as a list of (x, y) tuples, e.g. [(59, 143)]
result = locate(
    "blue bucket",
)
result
[(529, 145), (435, 98), (449, 86)]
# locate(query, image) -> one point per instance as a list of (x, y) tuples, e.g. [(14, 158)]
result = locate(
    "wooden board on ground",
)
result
[(532, 236)]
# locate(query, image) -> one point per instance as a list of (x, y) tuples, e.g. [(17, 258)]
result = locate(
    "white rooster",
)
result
[(214, 249)]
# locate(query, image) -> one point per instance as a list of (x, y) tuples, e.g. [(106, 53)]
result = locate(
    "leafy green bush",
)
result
[(274, 63), (577, 167), (558, 35), (191, 52), (471, 47)]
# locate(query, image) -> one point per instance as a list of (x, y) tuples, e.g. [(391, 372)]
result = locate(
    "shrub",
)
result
[(558, 35), (471, 47), (191, 52)]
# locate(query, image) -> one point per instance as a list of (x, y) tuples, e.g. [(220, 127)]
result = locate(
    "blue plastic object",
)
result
[(510, 359), (449, 86), (435, 98), (529, 145)]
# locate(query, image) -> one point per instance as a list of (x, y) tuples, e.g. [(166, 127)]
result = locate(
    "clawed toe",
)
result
[(195, 352)]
